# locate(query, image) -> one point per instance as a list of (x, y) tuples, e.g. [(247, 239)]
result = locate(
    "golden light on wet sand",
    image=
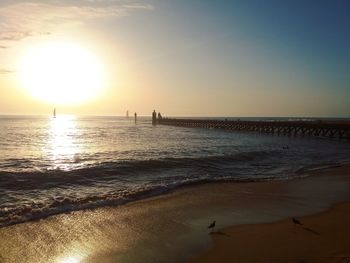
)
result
[(61, 73), (71, 259)]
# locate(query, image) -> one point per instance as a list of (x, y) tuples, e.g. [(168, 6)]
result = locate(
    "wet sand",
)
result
[(321, 238), (171, 227), (324, 237)]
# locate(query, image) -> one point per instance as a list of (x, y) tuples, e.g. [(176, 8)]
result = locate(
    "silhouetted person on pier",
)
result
[(154, 117), (135, 117)]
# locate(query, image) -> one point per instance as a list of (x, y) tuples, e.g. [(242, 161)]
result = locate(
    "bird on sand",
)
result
[(212, 225), (296, 221)]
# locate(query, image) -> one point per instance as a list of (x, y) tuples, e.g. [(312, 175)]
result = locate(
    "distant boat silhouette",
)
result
[(54, 112)]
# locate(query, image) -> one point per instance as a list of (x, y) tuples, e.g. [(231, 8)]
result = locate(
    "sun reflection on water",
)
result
[(62, 146)]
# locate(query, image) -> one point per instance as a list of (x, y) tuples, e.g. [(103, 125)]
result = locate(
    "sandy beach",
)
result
[(173, 227), (321, 238), (324, 237)]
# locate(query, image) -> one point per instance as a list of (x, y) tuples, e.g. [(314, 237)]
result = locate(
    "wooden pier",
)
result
[(316, 128)]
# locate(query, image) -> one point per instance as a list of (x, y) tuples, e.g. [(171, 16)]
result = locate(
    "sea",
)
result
[(57, 165)]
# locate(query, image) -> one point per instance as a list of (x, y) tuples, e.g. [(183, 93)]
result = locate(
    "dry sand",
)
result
[(173, 227)]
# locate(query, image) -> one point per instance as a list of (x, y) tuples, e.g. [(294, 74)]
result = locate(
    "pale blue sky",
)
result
[(211, 58)]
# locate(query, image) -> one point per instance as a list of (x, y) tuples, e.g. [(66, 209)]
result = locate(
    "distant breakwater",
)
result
[(316, 128)]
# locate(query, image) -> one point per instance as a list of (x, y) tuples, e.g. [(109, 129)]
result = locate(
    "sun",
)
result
[(61, 73)]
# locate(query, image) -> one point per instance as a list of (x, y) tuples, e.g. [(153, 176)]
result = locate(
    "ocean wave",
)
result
[(35, 195), (13, 214), (106, 171)]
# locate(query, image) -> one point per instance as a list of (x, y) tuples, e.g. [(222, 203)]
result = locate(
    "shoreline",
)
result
[(171, 227), (292, 244), (322, 237), (165, 190)]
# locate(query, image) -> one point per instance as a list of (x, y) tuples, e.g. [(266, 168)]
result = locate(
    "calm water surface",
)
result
[(49, 166)]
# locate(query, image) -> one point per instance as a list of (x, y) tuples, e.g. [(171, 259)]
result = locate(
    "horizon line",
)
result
[(180, 116)]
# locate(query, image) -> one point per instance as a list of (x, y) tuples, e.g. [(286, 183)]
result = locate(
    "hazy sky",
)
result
[(183, 57)]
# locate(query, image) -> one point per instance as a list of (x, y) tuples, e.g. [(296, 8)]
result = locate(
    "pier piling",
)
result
[(316, 128)]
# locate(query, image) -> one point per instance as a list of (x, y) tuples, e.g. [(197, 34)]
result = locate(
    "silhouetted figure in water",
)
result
[(212, 225), (135, 117), (154, 117), (159, 116), (296, 222)]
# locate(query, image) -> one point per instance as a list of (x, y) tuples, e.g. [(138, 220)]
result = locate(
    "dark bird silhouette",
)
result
[(212, 225), (296, 221)]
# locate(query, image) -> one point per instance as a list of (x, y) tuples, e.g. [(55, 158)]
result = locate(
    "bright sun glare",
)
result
[(70, 260), (61, 73)]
